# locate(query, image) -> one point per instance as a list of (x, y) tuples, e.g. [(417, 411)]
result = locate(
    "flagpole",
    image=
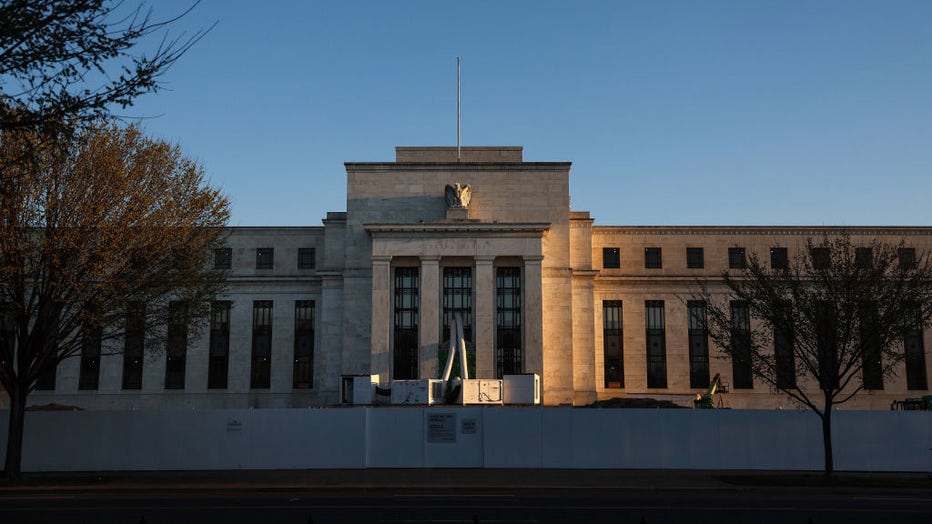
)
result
[(459, 156)]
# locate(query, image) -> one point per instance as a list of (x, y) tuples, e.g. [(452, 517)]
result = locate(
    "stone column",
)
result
[(533, 317), (429, 321), (328, 365), (381, 317), (484, 320)]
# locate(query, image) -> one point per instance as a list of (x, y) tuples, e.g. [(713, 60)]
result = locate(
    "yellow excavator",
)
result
[(704, 400)]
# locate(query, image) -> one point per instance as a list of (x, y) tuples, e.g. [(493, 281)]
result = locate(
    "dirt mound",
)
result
[(635, 403)]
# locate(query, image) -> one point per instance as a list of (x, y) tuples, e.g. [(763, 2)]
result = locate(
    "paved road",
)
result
[(419, 497)]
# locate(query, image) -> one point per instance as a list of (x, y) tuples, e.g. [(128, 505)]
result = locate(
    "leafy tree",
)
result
[(97, 229), (824, 325), (65, 62)]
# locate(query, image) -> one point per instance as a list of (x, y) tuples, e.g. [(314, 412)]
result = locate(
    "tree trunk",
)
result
[(14, 443), (827, 438)]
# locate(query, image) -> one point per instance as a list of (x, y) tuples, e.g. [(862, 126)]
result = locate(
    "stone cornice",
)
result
[(457, 229), (455, 166), (765, 230)]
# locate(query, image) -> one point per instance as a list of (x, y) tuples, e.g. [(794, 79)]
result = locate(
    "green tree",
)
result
[(829, 322), (101, 232)]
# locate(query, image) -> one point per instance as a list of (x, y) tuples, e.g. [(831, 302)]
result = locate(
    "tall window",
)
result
[(7, 333), (653, 258), (457, 298), (907, 257), (46, 379), (265, 258), (611, 257), (871, 365), (307, 258), (133, 346), (915, 355), (405, 340), (261, 372), (779, 258), (508, 351), (821, 258), (91, 336), (177, 345), (698, 345), (613, 343), (863, 257), (736, 258), (742, 376), (826, 324), (303, 374), (223, 258), (695, 258), (783, 351), (656, 344), (219, 359)]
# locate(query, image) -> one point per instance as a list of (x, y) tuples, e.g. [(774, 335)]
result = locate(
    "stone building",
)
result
[(597, 311)]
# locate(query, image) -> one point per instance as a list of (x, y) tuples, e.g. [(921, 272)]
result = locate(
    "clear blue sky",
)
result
[(672, 112)]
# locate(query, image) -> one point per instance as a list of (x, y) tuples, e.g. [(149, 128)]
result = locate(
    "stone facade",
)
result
[(518, 222)]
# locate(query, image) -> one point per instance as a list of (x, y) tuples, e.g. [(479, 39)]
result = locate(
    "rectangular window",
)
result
[(176, 347), (915, 355), (303, 373), (7, 333), (265, 258), (863, 257), (508, 351), (871, 365), (134, 346), (742, 377), (91, 337), (46, 379), (457, 298), (783, 350), (826, 324), (695, 258), (736, 258), (656, 344), (405, 361), (779, 258), (613, 345), (611, 257), (260, 376), (907, 257), (653, 258), (219, 359), (698, 345), (223, 258), (307, 258), (821, 258)]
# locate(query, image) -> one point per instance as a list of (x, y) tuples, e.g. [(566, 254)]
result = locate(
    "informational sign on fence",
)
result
[(441, 428)]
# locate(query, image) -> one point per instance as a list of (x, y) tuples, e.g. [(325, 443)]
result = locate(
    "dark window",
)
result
[(871, 365), (653, 258), (907, 257), (915, 355), (826, 324), (698, 345), (656, 344), (695, 258), (736, 259), (821, 258), (307, 258), (46, 379), (783, 349), (611, 257), (177, 345), (303, 374), (91, 337), (265, 257), (779, 258), (7, 333), (613, 345), (223, 258), (457, 298), (133, 346), (508, 354), (863, 257), (219, 359), (261, 372), (742, 377), (407, 302)]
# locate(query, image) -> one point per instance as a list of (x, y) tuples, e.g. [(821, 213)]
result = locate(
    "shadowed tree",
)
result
[(104, 236), (68, 62), (825, 324)]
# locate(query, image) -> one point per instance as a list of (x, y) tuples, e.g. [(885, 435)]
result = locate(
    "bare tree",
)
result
[(101, 233), (70, 62), (826, 323)]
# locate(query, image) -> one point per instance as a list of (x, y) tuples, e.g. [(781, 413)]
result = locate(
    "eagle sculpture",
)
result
[(458, 196)]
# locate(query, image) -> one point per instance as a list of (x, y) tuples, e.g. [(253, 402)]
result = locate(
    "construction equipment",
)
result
[(913, 404), (704, 400)]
